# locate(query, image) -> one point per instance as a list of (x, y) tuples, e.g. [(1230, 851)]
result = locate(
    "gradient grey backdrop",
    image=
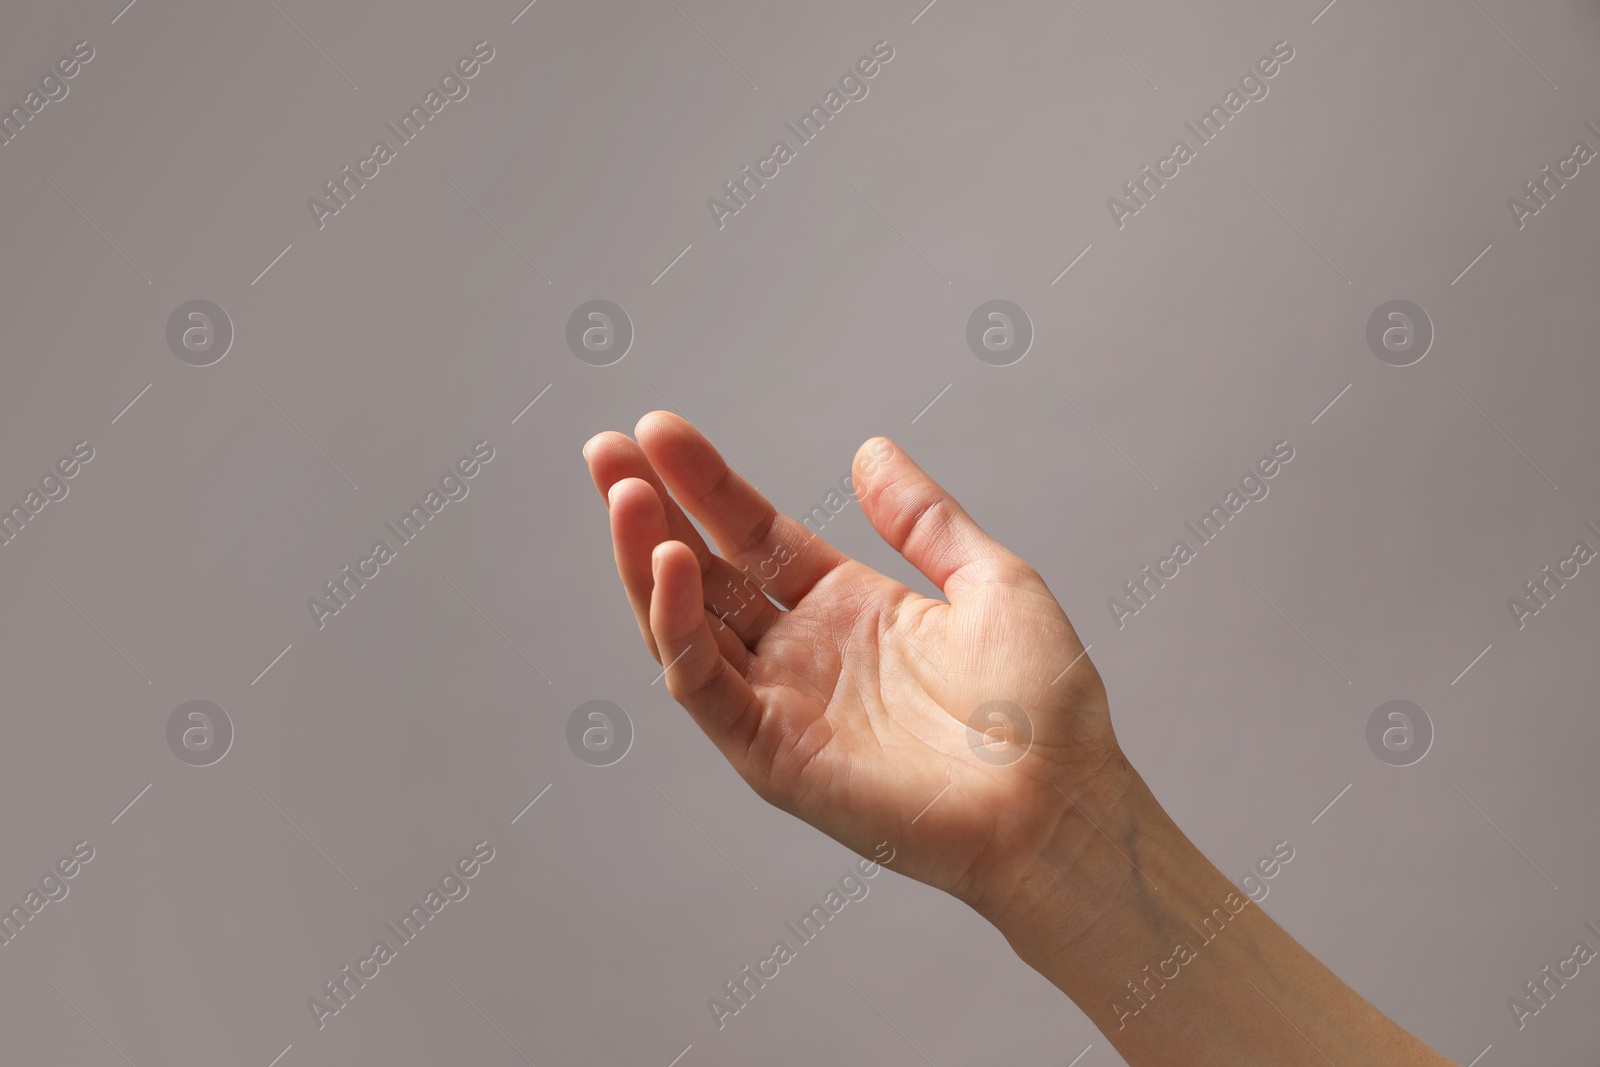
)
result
[(427, 315)]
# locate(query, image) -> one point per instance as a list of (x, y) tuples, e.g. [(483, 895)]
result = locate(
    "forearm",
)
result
[(835, 703), (1172, 962)]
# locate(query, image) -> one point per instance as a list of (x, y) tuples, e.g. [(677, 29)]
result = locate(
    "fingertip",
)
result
[(594, 445), (875, 450), (622, 488), (871, 456), (661, 558), (676, 599), (656, 422), (606, 454)]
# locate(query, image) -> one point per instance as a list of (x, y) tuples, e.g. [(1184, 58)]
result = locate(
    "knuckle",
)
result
[(925, 518)]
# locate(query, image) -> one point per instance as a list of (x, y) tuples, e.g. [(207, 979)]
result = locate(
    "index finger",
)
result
[(754, 536)]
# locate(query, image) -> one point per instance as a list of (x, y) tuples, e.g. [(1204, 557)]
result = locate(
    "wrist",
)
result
[(1118, 904), (1092, 837), (1114, 889)]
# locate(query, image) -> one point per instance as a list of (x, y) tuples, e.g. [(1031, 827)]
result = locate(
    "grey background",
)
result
[(1223, 318)]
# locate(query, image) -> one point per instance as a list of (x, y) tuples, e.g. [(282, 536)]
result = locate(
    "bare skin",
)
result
[(847, 703)]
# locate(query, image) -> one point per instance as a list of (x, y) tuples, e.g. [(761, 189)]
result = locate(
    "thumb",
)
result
[(922, 521)]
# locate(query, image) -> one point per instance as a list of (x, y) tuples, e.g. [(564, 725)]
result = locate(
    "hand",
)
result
[(848, 702)]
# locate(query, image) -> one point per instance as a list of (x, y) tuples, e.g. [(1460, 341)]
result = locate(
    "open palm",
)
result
[(958, 733)]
